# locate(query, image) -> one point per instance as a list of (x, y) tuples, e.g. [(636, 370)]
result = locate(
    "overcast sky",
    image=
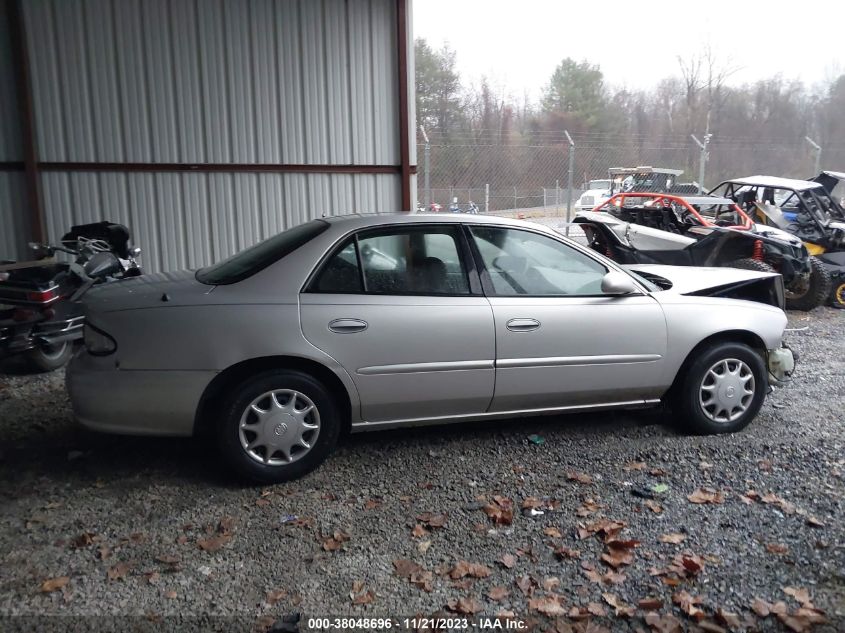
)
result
[(518, 43)]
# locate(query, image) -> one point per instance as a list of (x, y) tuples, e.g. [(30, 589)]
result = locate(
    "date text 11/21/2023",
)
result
[(415, 624)]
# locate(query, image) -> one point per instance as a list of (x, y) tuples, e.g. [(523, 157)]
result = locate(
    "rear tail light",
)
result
[(42, 296), (97, 342)]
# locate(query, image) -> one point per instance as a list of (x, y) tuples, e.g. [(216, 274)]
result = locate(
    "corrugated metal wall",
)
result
[(212, 81), (14, 227)]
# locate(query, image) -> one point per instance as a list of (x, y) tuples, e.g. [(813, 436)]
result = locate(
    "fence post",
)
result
[(818, 149), (427, 168), (702, 160), (557, 197), (514, 198), (569, 181), (487, 198), (544, 198)]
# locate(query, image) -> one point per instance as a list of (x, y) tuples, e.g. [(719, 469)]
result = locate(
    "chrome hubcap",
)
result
[(279, 427), (727, 390)]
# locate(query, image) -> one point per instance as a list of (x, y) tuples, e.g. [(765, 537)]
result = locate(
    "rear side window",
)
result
[(401, 261), (255, 258)]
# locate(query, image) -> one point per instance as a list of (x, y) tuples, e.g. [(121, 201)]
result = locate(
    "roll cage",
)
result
[(678, 213)]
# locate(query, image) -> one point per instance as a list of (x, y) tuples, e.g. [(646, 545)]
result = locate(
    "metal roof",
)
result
[(775, 183)]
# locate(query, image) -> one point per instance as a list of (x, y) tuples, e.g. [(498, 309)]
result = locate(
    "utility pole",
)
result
[(703, 158), (427, 167), (818, 149), (569, 181)]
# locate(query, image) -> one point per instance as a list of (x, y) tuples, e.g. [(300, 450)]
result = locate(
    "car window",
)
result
[(402, 261), (255, 258), (525, 263)]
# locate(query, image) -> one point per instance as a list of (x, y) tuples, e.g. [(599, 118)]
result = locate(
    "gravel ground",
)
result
[(151, 527)]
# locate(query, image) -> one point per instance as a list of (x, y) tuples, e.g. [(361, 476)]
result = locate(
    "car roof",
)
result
[(363, 220), (775, 183), (644, 169)]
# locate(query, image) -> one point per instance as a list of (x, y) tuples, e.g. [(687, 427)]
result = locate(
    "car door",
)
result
[(395, 306), (559, 341)]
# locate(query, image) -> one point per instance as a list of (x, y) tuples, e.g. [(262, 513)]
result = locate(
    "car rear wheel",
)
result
[(814, 292), (278, 426), (722, 391)]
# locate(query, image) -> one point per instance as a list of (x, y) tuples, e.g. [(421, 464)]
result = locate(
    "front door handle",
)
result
[(523, 325), (347, 326)]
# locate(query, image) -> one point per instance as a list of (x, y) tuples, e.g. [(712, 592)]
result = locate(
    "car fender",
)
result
[(692, 320)]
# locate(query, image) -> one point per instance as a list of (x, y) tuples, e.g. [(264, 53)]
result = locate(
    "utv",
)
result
[(808, 210), (659, 228)]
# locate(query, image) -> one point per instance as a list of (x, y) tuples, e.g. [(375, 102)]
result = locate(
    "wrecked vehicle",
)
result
[(806, 209), (338, 324), (657, 228)]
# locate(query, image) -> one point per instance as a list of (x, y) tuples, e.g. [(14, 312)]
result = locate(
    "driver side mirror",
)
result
[(40, 251), (618, 284)]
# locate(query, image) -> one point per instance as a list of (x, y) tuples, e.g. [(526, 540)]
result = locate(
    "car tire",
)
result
[(263, 432), (42, 359), (706, 403), (752, 264), (818, 290)]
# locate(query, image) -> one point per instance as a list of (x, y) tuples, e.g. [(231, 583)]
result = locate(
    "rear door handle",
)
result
[(347, 326), (523, 325)]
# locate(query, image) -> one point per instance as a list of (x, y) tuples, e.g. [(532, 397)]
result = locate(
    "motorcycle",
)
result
[(40, 316)]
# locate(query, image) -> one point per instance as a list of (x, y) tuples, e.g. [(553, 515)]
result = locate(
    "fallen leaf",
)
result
[(650, 604), (706, 495), (547, 605), (618, 556), (104, 552), (587, 508), (508, 560), (358, 595), (552, 532), (371, 505), (777, 548), (226, 525), (84, 540), (581, 478), (800, 594), (214, 543), (621, 609), (689, 604), (170, 594), (152, 577), (730, 620), (119, 571), (419, 531), (335, 541), (466, 606), (54, 584), (404, 568), (500, 510), (673, 538), (275, 595), (422, 579), (654, 506), (761, 607), (596, 609), (667, 623), (785, 506), (497, 593), (813, 522), (526, 585), (564, 552), (603, 527), (634, 466), (463, 568), (168, 559), (432, 520), (422, 546)]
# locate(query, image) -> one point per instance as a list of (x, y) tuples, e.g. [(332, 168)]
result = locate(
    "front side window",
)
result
[(401, 261), (524, 263)]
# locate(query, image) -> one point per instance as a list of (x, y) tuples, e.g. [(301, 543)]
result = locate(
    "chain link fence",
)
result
[(533, 179)]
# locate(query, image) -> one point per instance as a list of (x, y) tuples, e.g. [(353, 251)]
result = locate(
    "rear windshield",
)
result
[(249, 261)]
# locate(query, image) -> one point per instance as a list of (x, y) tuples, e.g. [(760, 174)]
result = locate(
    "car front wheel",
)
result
[(722, 391), (278, 426)]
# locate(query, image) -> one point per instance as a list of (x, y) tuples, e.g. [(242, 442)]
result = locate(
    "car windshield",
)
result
[(599, 184), (249, 261)]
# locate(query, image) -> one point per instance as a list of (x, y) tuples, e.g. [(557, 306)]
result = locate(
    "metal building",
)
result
[(203, 125)]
